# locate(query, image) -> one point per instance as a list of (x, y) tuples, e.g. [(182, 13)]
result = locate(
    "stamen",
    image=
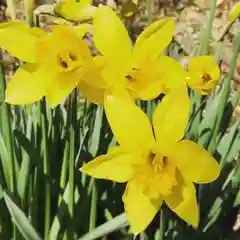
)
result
[(206, 77), (69, 61), (164, 160), (73, 56), (130, 78), (63, 63), (158, 162)]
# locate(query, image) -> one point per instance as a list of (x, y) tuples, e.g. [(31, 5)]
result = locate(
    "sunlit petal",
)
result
[(26, 86), (139, 208), (154, 39), (234, 12), (147, 92), (16, 38), (110, 36), (82, 29), (75, 11), (170, 118), (129, 124), (173, 73), (117, 165), (92, 72), (38, 32), (60, 85), (194, 162), (92, 93), (184, 203)]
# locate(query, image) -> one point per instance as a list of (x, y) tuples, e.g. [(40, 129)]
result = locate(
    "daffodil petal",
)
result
[(110, 36), (183, 202), (234, 12), (25, 86), (92, 72), (140, 209), (169, 126), (147, 82), (154, 39), (60, 85), (92, 93), (128, 122), (117, 165), (82, 29), (38, 32), (83, 2), (16, 38), (75, 11), (149, 91), (92, 84), (174, 75), (195, 163)]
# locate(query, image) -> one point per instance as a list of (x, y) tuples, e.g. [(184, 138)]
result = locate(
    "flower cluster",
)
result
[(153, 158)]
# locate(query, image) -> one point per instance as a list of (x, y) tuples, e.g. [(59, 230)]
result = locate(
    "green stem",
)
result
[(236, 98), (162, 225), (71, 174), (149, 11), (46, 168), (8, 138), (63, 178), (72, 116), (72, 120), (224, 97), (93, 214), (7, 131), (197, 101), (204, 46)]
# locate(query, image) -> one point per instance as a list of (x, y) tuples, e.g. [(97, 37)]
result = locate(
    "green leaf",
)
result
[(4, 159), (237, 200), (30, 154), (229, 144), (115, 224), (57, 222), (20, 219), (209, 119), (95, 135)]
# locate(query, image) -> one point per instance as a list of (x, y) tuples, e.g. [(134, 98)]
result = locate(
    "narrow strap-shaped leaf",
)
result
[(21, 220), (115, 224)]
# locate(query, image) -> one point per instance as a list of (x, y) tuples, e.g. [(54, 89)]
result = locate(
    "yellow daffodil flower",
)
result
[(158, 166), (54, 61), (204, 74), (138, 68)]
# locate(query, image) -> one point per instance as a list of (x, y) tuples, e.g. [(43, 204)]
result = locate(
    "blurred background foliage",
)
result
[(42, 193)]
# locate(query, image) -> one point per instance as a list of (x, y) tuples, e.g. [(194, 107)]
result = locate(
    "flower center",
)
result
[(69, 61), (132, 75), (159, 162), (161, 178), (206, 77)]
